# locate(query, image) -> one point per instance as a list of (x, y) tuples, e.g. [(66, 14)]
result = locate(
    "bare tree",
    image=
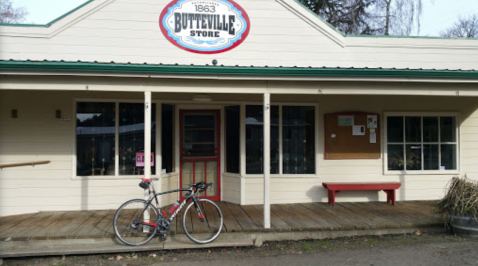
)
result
[(372, 17), (397, 17), (464, 27), (10, 14), (349, 16)]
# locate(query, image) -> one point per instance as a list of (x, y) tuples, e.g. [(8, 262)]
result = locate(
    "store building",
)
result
[(342, 108)]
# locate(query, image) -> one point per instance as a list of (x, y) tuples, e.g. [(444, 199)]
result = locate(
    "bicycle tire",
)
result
[(203, 232), (137, 233)]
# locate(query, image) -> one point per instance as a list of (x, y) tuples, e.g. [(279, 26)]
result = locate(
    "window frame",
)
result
[(117, 176), (317, 121), (385, 143)]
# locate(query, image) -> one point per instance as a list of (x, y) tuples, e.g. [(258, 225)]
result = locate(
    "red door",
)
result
[(200, 155)]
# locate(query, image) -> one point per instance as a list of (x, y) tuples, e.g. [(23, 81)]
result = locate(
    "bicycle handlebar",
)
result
[(201, 186)]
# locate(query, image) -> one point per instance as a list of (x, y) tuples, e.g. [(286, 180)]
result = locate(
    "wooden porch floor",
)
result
[(284, 217)]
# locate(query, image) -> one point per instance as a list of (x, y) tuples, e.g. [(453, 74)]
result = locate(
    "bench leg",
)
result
[(332, 194), (391, 196)]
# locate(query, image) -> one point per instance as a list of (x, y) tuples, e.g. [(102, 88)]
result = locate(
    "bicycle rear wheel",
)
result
[(206, 230), (131, 222)]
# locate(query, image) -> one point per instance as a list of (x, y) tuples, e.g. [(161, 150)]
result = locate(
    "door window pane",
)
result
[(298, 139), (255, 139), (413, 131), (430, 129), (448, 157), (211, 176), (131, 138), (395, 129), (95, 139), (447, 129), (430, 157), (233, 126), (187, 173), (395, 157)]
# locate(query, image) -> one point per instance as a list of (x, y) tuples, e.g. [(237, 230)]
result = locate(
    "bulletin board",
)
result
[(352, 135)]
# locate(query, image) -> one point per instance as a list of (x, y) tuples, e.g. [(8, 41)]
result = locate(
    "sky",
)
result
[(437, 14)]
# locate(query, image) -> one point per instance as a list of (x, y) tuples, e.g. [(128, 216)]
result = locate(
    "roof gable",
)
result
[(283, 33)]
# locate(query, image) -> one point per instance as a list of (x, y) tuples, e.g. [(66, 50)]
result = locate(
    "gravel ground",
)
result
[(413, 249)]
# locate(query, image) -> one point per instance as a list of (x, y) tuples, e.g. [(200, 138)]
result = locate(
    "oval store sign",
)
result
[(204, 26)]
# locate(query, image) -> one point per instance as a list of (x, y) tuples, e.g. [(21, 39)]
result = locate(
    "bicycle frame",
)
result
[(155, 195)]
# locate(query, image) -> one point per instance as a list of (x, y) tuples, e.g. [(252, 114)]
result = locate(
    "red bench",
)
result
[(388, 187)]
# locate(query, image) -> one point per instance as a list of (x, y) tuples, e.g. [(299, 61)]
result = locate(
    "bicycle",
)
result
[(137, 221)]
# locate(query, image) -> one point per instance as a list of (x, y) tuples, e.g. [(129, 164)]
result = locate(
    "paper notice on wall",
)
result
[(346, 120), (371, 121), (358, 130), (373, 137)]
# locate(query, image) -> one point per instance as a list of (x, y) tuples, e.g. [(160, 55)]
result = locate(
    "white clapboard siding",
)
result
[(37, 135), (128, 31), (231, 188)]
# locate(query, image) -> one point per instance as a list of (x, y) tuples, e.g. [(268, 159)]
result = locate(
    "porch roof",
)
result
[(114, 67)]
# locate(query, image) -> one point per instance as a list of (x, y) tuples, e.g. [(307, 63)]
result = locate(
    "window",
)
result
[(167, 118), (255, 139), (95, 139), (233, 124), (96, 130), (297, 144), (422, 142), (298, 133), (131, 137)]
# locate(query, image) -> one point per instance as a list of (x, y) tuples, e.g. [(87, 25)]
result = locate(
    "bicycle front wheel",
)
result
[(204, 224), (135, 222)]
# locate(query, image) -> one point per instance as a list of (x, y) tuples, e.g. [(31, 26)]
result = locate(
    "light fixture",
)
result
[(202, 98)]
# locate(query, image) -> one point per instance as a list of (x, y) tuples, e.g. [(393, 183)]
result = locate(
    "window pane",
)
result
[(255, 139), (131, 138), (447, 129), (95, 139), (233, 126), (298, 144), (395, 129), (430, 129), (167, 114), (196, 122), (414, 157), (448, 157), (430, 157), (413, 131), (395, 157), (203, 135)]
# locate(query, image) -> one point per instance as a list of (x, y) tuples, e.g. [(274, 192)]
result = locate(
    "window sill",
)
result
[(104, 177), (284, 176), (450, 172)]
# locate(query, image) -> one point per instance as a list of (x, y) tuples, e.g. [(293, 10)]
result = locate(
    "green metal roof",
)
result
[(112, 67)]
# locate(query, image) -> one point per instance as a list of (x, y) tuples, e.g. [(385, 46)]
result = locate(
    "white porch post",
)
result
[(147, 134), (267, 160), (147, 146)]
